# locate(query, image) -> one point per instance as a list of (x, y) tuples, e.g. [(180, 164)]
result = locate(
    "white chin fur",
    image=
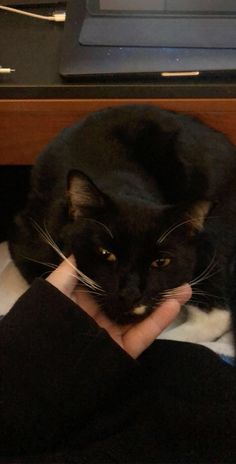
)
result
[(139, 310)]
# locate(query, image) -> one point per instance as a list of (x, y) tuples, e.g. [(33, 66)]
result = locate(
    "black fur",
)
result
[(138, 171)]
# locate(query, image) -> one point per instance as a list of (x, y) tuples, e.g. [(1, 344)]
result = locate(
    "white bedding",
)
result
[(12, 284)]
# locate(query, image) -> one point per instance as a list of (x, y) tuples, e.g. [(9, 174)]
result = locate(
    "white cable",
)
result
[(6, 70), (57, 17)]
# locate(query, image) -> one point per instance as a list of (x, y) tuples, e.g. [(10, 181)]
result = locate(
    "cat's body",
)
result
[(145, 199)]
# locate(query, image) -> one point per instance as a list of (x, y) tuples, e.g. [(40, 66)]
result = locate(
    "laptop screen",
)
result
[(173, 23), (138, 38), (161, 7)]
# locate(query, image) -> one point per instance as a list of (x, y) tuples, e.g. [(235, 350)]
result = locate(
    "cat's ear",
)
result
[(82, 194), (197, 215)]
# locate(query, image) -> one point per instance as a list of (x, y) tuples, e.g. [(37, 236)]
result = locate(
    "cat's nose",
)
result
[(130, 296)]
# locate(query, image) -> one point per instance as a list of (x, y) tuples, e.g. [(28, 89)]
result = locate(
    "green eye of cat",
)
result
[(107, 254), (161, 262)]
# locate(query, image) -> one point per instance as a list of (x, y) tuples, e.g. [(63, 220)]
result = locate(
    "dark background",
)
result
[(14, 185)]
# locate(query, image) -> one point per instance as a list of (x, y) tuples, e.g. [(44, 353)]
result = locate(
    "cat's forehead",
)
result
[(140, 218)]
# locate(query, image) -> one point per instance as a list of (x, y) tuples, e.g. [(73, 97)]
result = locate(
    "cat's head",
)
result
[(133, 251)]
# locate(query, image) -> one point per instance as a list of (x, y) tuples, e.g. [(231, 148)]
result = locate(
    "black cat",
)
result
[(145, 199)]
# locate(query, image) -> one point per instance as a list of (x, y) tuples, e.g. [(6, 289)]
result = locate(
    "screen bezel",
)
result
[(93, 8)]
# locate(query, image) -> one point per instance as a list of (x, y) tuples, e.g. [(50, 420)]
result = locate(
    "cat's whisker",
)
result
[(171, 292), (90, 292), (207, 294), (206, 277), (170, 230), (46, 273), (175, 226), (202, 294), (197, 302), (212, 264), (45, 235), (101, 224), (195, 291), (80, 276), (51, 265), (170, 295), (193, 300), (205, 274), (207, 297)]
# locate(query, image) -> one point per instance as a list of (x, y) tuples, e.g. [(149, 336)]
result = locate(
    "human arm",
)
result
[(59, 369)]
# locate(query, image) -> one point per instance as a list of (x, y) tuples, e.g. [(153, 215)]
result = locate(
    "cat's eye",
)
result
[(161, 262), (108, 255)]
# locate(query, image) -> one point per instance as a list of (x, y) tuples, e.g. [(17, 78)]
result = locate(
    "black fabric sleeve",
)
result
[(58, 369), (71, 395)]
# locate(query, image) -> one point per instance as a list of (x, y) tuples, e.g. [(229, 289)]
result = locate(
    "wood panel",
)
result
[(26, 126)]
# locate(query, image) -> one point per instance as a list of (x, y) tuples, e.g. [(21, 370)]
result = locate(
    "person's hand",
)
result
[(135, 338)]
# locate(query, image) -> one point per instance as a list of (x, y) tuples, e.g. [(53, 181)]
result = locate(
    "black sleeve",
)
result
[(71, 395), (58, 369)]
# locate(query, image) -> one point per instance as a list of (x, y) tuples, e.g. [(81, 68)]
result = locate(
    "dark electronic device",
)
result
[(29, 3), (124, 38)]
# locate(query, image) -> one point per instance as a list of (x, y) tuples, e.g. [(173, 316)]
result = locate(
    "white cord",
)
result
[(57, 17)]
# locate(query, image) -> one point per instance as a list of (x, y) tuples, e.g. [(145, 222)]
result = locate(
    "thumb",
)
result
[(64, 276)]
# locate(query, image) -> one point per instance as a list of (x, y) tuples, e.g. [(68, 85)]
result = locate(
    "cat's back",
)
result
[(138, 139), (105, 137)]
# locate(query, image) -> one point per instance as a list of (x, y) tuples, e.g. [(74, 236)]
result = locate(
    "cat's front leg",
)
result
[(200, 326)]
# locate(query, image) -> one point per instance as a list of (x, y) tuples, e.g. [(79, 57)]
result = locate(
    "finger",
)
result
[(140, 336), (182, 294), (86, 301), (64, 276)]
